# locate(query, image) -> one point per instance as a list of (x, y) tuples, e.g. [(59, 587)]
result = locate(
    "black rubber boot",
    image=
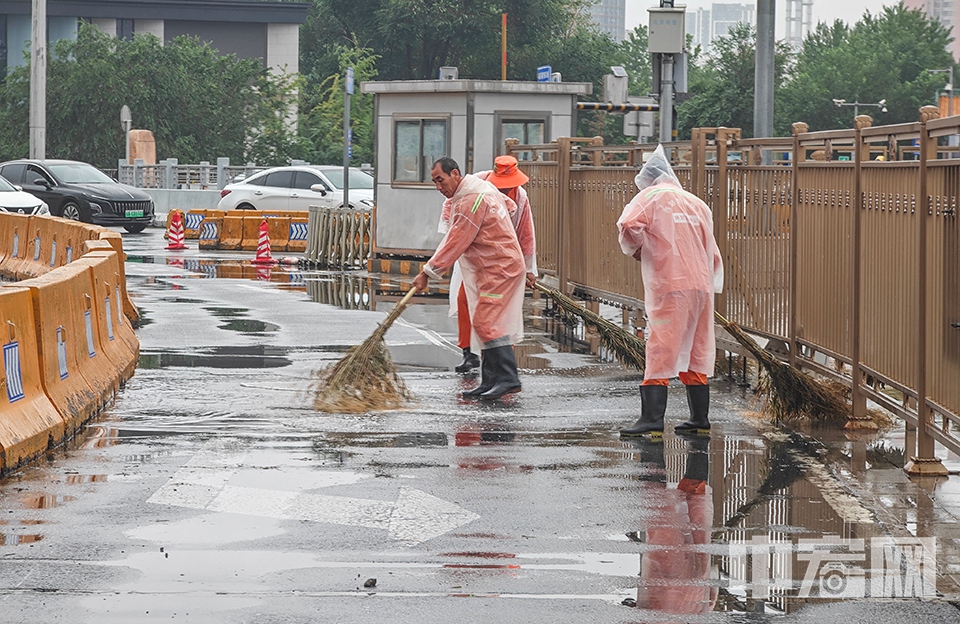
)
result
[(698, 398), (504, 368), (487, 377), (653, 405), (470, 361)]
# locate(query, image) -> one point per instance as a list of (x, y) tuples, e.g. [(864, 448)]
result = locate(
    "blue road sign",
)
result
[(543, 73)]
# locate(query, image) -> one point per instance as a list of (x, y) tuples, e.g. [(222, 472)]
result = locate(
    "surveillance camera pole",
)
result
[(882, 105), (666, 98)]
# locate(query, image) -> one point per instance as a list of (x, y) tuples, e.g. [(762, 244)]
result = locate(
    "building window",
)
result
[(125, 29), (418, 144), (527, 131)]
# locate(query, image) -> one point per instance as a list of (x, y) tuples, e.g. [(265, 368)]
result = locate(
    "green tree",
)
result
[(322, 124), (882, 57), (414, 38), (722, 87), (199, 105)]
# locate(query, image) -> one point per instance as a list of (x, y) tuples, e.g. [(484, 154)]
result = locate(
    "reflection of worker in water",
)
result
[(483, 240), (670, 231), (483, 434), (507, 177), (675, 569)]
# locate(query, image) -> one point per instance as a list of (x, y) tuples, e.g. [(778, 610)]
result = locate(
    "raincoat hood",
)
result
[(656, 170)]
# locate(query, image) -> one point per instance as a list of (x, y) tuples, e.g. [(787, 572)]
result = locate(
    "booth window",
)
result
[(527, 131), (419, 143)]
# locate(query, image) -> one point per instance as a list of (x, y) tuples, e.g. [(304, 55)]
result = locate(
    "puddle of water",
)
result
[(15, 539), (44, 501), (76, 479), (227, 312), (254, 356), (249, 326), (479, 555)]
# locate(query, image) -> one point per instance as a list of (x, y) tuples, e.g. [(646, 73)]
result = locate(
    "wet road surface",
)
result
[(210, 492)]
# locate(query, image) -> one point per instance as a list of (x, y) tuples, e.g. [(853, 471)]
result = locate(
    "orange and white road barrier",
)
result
[(263, 246), (175, 232)]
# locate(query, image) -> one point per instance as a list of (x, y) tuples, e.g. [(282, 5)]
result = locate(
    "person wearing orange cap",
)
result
[(507, 177), (482, 241)]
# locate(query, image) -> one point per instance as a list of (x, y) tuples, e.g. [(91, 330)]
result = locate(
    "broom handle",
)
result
[(399, 308), (721, 318)]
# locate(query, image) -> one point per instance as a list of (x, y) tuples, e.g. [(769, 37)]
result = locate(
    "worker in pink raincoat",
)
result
[(482, 238), (670, 231), (676, 574), (508, 178)]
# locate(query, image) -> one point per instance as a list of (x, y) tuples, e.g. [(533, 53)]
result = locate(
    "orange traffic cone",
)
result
[(175, 233), (263, 246)]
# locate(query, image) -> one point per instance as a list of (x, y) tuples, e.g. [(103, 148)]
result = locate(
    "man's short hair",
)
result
[(447, 164)]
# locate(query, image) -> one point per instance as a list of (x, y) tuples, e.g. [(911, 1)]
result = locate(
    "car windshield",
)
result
[(79, 173), (5, 187), (358, 179)]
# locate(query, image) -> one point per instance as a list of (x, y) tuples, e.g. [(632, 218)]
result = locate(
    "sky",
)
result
[(823, 10)]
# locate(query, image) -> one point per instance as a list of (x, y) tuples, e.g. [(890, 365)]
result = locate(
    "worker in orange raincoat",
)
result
[(482, 238), (507, 177), (670, 231)]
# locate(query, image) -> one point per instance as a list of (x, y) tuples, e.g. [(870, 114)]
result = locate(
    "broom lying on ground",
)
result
[(628, 348), (365, 379), (791, 393)]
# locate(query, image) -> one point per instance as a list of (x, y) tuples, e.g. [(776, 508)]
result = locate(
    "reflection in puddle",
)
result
[(15, 539), (75, 479), (254, 356), (44, 501), (249, 326)]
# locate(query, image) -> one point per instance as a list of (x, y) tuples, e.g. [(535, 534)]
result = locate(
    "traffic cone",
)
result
[(175, 233), (263, 246)]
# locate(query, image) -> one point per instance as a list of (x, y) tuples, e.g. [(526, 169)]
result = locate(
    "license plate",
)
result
[(133, 213)]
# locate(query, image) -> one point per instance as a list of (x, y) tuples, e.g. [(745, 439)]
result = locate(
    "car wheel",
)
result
[(135, 229), (70, 210), (245, 206)]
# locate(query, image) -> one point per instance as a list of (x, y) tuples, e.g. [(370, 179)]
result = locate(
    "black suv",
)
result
[(78, 191)]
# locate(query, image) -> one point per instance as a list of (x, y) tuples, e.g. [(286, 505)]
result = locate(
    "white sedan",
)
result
[(297, 188), (13, 199)]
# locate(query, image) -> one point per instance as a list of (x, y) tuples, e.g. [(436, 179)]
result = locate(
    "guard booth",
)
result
[(418, 121)]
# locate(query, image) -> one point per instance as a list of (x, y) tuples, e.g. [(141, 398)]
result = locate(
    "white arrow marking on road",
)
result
[(415, 516)]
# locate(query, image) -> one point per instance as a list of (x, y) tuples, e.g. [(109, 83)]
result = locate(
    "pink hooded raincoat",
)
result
[(521, 216), (681, 267), (481, 239)]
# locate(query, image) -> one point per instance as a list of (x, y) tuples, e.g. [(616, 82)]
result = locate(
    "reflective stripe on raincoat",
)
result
[(682, 269), (481, 239)]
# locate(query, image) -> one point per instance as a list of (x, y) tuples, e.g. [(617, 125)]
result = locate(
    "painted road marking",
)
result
[(204, 483)]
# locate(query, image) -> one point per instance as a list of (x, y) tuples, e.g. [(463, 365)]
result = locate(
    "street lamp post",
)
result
[(882, 105), (948, 88)]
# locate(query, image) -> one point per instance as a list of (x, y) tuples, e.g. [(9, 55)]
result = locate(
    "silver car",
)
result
[(297, 188), (14, 199)]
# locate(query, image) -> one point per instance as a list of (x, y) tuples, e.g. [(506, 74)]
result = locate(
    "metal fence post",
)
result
[(137, 172), (925, 462), (563, 207), (859, 418), (222, 164), (170, 173), (795, 158)]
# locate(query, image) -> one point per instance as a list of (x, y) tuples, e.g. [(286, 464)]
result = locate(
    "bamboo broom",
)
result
[(628, 348), (365, 379), (791, 394)]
